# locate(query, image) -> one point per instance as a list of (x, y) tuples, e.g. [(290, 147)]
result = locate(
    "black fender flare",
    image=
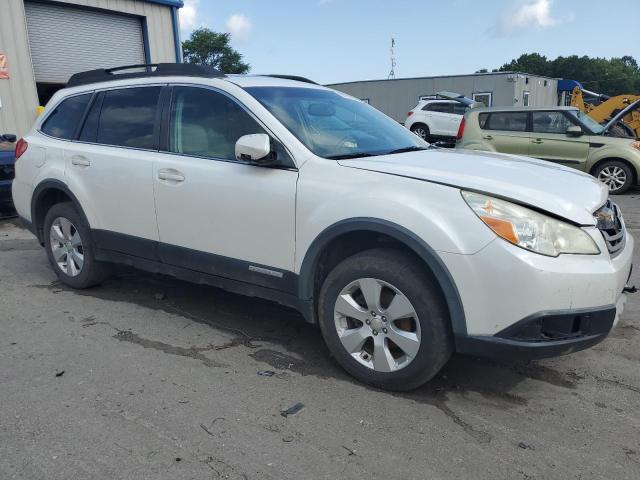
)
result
[(402, 235), (39, 191)]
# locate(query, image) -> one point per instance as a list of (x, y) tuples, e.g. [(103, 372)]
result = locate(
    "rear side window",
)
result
[(440, 107), (507, 121), (65, 119), (128, 118)]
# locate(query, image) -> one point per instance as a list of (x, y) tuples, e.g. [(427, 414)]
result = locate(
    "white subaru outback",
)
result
[(279, 188)]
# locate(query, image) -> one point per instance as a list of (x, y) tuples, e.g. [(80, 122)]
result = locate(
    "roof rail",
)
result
[(293, 77), (150, 70)]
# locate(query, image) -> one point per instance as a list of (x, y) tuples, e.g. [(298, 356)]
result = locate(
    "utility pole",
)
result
[(392, 73)]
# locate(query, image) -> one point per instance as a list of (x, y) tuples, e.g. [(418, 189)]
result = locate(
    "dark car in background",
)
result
[(7, 161)]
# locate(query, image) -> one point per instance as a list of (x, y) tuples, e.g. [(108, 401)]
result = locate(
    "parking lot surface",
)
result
[(147, 377)]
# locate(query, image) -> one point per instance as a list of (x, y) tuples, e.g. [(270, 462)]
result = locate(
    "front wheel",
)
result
[(70, 249), (616, 175), (384, 320)]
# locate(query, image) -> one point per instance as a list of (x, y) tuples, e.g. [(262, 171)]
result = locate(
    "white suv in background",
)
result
[(286, 190), (436, 119)]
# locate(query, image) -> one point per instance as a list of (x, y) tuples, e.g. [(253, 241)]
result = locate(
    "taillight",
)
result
[(409, 113), (460, 130), (21, 147)]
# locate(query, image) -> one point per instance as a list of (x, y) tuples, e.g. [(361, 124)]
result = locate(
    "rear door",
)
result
[(109, 168), (550, 141), (438, 116), (505, 132)]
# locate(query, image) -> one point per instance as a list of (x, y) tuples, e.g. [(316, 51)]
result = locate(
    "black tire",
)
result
[(416, 128), (402, 271), (92, 272), (613, 164)]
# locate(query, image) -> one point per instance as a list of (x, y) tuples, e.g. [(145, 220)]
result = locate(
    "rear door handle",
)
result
[(80, 161), (488, 137), (537, 140), (170, 175)]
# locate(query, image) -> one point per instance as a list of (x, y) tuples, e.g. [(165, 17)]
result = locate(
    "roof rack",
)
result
[(293, 77), (150, 70)]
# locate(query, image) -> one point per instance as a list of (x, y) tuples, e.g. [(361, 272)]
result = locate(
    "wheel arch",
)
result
[(311, 270), (46, 194), (629, 164)]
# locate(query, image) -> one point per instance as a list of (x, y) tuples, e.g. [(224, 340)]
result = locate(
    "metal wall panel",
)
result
[(396, 97), (18, 95), (66, 40)]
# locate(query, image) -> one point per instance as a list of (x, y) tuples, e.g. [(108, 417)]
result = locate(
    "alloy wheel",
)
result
[(613, 176), (377, 325), (421, 132), (66, 246)]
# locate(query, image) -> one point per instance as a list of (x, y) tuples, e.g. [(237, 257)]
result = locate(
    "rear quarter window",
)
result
[(65, 119)]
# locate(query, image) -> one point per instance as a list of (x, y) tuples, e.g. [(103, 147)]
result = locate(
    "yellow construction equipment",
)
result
[(607, 108)]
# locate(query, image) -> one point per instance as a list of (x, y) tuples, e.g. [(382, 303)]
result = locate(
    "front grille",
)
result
[(6, 172), (610, 223)]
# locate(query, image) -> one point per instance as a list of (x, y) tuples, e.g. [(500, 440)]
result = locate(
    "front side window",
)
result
[(335, 126), (207, 123), (65, 119), (550, 122), (590, 123), (507, 121), (128, 118)]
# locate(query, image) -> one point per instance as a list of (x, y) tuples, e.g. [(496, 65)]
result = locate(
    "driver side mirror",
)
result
[(254, 148), (574, 131)]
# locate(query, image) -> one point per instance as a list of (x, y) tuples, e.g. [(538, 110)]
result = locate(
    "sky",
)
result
[(333, 41)]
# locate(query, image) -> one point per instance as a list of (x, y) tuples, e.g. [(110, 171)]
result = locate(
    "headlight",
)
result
[(529, 229)]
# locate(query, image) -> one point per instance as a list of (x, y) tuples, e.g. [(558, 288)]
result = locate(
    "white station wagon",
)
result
[(279, 188)]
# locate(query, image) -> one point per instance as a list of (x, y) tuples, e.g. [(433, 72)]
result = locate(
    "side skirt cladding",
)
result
[(237, 276)]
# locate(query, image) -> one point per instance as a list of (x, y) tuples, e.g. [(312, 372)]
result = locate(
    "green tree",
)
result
[(612, 76), (207, 47)]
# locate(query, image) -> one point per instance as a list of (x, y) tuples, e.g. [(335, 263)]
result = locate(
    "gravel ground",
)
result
[(147, 377)]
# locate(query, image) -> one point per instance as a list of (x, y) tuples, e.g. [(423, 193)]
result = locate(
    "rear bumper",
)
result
[(546, 334)]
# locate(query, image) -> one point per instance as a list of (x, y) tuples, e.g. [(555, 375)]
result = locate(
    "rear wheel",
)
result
[(616, 175), (421, 130), (70, 249), (384, 320)]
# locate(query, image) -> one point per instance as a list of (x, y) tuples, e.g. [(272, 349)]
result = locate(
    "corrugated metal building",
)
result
[(43, 42), (396, 97)]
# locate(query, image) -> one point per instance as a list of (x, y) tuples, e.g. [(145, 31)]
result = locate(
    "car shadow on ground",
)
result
[(280, 338)]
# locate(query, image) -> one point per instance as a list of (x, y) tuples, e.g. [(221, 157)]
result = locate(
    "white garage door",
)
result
[(66, 40)]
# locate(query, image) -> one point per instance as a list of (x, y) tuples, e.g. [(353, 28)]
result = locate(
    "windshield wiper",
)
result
[(350, 155), (407, 149)]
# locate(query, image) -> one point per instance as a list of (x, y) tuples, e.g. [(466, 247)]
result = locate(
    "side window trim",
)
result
[(166, 119), (96, 101)]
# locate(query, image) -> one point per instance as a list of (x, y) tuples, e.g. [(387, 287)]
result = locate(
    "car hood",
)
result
[(562, 191)]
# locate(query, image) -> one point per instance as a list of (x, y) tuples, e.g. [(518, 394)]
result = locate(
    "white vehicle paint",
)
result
[(434, 119), (291, 227)]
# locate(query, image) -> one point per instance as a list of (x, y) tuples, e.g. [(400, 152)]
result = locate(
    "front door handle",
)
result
[(80, 161), (488, 137), (170, 175), (537, 141)]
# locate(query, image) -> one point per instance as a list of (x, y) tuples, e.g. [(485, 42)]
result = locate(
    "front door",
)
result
[(217, 215), (550, 141)]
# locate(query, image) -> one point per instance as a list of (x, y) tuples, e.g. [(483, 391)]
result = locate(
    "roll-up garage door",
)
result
[(66, 40)]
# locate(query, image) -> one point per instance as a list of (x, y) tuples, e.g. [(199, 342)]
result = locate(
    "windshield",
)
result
[(589, 122), (334, 126)]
